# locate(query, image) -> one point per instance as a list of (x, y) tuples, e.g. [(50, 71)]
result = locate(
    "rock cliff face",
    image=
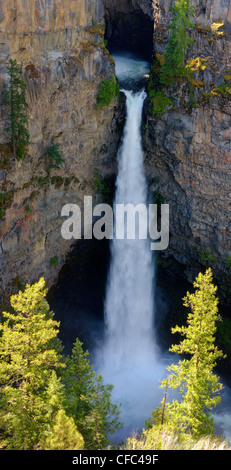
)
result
[(188, 148), (60, 46)]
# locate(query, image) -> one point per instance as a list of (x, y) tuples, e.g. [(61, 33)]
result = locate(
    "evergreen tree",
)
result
[(178, 43), (88, 401), (55, 156), (64, 435), (15, 98), (194, 377), (31, 393), (104, 417)]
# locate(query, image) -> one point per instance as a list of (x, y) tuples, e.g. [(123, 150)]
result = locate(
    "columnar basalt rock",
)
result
[(188, 147), (60, 45)]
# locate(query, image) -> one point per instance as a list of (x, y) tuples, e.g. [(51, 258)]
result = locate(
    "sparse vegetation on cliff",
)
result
[(54, 261), (55, 156), (171, 66), (101, 186), (178, 43), (107, 92), (15, 98)]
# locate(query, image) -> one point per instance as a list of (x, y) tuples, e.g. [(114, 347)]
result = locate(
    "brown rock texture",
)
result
[(188, 147), (60, 46)]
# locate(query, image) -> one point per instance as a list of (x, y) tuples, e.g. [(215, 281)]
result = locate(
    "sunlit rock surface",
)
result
[(188, 149), (60, 46)]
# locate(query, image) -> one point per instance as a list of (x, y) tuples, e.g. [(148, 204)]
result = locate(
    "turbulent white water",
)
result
[(129, 303), (128, 358), (131, 72)]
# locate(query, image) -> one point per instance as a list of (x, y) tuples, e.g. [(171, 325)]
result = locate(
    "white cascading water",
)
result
[(128, 358), (129, 301)]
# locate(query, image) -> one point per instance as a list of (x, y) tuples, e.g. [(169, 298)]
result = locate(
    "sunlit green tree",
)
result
[(88, 400), (30, 391), (194, 377), (63, 435)]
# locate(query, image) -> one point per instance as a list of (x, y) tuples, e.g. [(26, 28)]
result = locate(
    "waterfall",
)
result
[(128, 357), (129, 301)]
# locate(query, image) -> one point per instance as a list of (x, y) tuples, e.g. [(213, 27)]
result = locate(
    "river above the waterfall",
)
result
[(132, 71)]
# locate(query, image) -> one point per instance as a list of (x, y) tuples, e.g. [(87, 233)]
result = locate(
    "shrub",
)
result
[(107, 91), (159, 102), (101, 186), (54, 261)]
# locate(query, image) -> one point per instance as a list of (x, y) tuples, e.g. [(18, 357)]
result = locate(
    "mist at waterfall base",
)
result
[(128, 356), (81, 300)]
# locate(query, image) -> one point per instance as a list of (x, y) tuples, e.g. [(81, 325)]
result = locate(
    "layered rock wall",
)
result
[(188, 147), (60, 45)]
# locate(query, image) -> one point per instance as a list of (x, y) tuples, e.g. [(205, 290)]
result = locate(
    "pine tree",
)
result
[(15, 99), (55, 156), (178, 43), (64, 435), (194, 377), (31, 393), (88, 400), (104, 417)]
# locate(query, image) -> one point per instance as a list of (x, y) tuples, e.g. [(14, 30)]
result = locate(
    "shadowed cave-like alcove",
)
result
[(129, 28)]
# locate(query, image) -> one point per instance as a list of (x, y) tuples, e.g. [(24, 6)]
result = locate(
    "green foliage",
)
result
[(106, 92), (101, 187), (2, 204), (31, 392), (5, 201), (47, 399), (223, 89), (64, 435), (179, 41), (170, 66), (55, 156), (54, 261), (19, 283), (228, 262), (15, 99), (159, 101), (194, 377), (224, 335), (88, 400), (28, 209), (161, 438), (158, 199), (207, 256)]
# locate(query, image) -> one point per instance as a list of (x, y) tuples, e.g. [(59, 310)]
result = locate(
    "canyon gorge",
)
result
[(68, 49), (187, 148)]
